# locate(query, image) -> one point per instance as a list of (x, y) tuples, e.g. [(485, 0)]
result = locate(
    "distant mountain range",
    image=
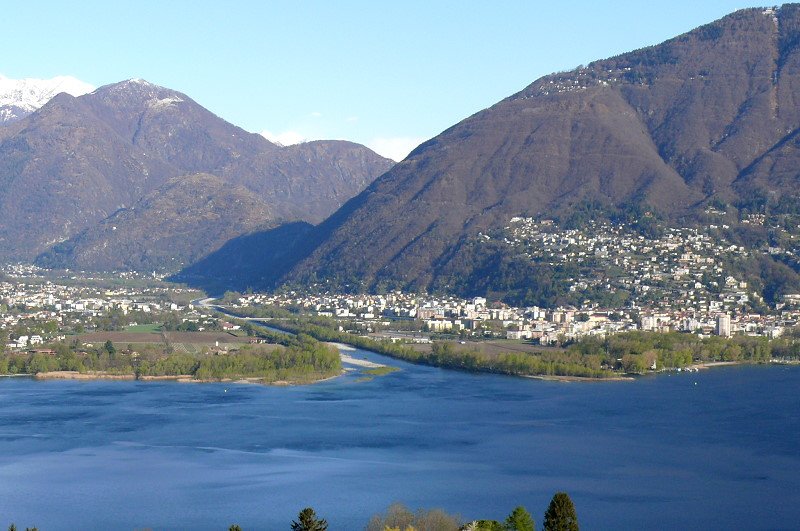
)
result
[(20, 97), (708, 119), (121, 177)]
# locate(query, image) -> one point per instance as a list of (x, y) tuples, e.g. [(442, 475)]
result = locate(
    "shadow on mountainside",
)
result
[(253, 261)]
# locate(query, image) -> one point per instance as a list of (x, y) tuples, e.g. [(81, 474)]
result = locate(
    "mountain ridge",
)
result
[(78, 160), (706, 118)]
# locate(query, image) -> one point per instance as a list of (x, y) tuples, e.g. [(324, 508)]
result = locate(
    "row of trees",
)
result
[(559, 516), (640, 350), (71, 356), (300, 358), (447, 355)]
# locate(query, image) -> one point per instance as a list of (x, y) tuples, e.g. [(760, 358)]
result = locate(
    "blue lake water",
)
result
[(717, 449)]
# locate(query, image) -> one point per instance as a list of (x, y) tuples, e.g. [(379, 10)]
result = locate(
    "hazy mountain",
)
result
[(77, 161), (709, 117), (20, 97)]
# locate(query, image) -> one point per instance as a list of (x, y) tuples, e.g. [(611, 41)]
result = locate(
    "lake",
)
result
[(716, 449)]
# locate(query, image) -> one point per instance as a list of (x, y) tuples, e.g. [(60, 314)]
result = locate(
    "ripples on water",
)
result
[(658, 453)]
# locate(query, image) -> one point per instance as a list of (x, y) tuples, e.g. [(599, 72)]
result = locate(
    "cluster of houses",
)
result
[(27, 297), (583, 78), (674, 281), (547, 326), (684, 267)]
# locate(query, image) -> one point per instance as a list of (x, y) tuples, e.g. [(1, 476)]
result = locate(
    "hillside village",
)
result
[(679, 281)]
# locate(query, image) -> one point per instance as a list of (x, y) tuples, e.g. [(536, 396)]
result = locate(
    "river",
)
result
[(716, 449)]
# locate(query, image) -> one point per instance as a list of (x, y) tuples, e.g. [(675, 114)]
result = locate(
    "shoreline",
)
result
[(347, 359), (75, 375), (180, 378), (567, 379), (350, 360), (711, 364), (626, 377)]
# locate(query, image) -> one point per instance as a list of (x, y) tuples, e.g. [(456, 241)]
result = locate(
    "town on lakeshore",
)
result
[(675, 281)]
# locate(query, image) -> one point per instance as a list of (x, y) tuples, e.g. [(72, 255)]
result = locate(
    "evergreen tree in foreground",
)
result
[(520, 520), (560, 515), (307, 521)]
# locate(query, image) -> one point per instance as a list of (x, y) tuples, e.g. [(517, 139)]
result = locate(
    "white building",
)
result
[(724, 325)]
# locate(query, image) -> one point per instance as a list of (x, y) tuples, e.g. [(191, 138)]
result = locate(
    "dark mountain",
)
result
[(77, 161), (709, 117)]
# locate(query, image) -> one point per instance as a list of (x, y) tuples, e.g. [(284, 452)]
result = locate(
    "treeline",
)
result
[(71, 357), (559, 516), (636, 352), (447, 355), (545, 363), (304, 361), (299, 359)]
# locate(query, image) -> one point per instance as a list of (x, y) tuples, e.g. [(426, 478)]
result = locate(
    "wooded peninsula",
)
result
[(286, 359)]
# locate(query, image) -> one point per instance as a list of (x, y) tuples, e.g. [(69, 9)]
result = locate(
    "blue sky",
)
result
[(385, 74)]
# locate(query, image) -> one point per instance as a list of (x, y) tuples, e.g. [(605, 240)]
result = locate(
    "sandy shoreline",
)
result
[(75, 375), (711, 364), (350, 360), (347, 359), (181, 378), (554, 378)]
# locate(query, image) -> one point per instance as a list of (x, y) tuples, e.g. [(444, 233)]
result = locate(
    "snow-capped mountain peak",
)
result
[(20, 97)]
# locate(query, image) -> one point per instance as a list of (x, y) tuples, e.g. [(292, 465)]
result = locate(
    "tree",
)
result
[(109, 346), (307, 521), (234, 527), (560, 515), (398, 516), (520, 520)]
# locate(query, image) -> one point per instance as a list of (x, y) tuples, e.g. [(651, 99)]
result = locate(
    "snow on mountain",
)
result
[(20, 97)]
